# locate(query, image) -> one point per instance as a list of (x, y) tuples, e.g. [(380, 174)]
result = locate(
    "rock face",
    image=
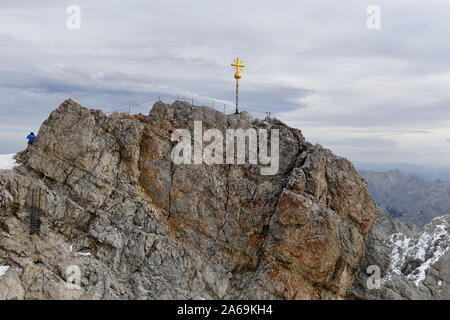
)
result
[(409, 198), (118, 214), (414, 263)]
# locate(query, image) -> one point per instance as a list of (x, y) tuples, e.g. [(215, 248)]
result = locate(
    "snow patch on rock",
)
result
[(7, 162), (84, 254), (3, 270), (414, 256)]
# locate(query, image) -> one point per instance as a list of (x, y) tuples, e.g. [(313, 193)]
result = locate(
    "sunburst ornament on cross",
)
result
[(237, 65)]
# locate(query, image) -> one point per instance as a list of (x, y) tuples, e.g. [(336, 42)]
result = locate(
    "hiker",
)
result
[(31, 137)]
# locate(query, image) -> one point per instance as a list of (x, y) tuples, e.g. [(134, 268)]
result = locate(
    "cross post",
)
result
[(237, 65)]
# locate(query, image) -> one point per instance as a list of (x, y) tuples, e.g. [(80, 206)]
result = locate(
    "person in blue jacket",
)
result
[(31, 137)]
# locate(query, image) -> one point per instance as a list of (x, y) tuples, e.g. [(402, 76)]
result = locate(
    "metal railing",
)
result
[(217, 104)]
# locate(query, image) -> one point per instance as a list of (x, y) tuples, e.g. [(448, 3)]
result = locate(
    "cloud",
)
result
[(363, 93)]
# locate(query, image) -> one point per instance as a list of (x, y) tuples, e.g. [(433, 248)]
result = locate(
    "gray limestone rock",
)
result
[(120, 220)]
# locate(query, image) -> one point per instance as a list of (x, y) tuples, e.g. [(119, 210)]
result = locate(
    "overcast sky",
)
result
[(373, 96)]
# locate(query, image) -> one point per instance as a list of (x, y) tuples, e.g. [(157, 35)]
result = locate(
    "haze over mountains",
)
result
[(429, 173), (409, 198)]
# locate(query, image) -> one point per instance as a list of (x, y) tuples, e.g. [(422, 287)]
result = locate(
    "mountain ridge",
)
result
[(427, 172), (408, 197)]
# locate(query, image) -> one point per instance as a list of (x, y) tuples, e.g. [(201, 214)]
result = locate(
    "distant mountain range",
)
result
[(407, 197), (428, 173)]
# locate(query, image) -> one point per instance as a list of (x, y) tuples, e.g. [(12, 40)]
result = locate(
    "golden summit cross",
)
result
[(237, 65)]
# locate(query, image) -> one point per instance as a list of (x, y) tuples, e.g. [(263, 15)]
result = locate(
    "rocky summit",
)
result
[(96, 209)]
